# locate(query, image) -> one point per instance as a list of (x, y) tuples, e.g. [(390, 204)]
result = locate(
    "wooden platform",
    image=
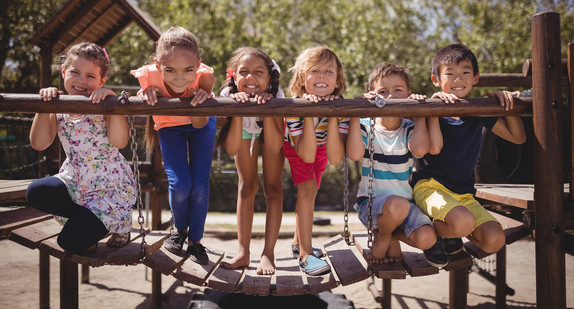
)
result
[(13, 190)]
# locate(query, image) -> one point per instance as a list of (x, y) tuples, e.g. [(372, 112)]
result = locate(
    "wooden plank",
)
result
[(346, 261), (318, 284), (132, 252), (30, 236), (458, 261), (164, 261), (288, 277), (14, 190), (517, 198), (383, 271), (513, 229), (225, 280), (415, 262), (13, 219), (254, 284), (195, 273)]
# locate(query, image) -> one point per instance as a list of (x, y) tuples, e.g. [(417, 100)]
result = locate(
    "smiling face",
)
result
[(82, 76), (178, 69), (456, 78), (321, 80), (392, 87), (251, 75)]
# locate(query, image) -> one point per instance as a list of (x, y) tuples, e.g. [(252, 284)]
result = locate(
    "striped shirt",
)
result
[(295, 127), (392, 162)]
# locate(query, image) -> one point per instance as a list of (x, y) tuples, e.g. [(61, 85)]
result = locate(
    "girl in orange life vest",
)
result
[(252, 74), (186, 141)]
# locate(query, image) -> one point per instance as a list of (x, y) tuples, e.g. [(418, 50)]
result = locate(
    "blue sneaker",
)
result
[(314, 266), (296, 252)]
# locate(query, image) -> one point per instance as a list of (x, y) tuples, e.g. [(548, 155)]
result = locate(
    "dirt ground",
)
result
[(130, 286)]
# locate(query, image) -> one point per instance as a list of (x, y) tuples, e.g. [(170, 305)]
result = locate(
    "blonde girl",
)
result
[(186, 142), (317, 76), (94, 190), (252, 74)]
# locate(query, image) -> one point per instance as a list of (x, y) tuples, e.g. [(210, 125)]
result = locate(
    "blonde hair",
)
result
[(306, 61)]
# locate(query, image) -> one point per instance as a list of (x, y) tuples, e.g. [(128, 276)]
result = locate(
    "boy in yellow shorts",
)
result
[(444, 188)]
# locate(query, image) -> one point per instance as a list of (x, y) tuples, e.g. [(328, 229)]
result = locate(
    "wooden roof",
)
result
[(97, 21)]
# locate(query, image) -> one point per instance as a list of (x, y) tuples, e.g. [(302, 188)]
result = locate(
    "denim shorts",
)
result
[(415, 219)]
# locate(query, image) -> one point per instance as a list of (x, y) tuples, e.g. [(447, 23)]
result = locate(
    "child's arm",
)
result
[(204, 92), (118, 128), (44, 127), (355, 145), (306, 143), (233, 139), (274, 131), (335, 142), (435, 135), (419, 143), (510, 128)]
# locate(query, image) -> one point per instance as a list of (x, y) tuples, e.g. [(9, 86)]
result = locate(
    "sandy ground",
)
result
[(130, 286)]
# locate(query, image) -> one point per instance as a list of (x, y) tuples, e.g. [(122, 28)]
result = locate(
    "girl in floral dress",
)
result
[(94, 191)]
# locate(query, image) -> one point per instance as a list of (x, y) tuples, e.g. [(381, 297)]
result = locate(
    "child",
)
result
[(317, 76), (94, 189), (444, 189), (186, 142), (393, 212), (252, 74)]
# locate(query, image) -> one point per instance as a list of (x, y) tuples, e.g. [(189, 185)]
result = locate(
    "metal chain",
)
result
[(346, 202), (135, 161), (370, 192)]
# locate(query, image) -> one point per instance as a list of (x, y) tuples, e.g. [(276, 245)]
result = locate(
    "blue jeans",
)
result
[(187, 154)]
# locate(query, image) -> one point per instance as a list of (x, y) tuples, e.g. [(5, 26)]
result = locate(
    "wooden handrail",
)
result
[(14, 102)]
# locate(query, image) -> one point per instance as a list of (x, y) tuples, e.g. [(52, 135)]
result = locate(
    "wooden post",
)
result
[(500, 279), (387, 294), (458, 288), (156, 289), (68, 285), (44, 280), (548, 176)]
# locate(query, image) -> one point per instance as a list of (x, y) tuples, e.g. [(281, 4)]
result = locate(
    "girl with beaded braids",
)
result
[(186, 142), (252, 74), (94, 192)]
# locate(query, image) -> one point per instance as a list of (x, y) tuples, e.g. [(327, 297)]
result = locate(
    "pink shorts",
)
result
[(301, 171)]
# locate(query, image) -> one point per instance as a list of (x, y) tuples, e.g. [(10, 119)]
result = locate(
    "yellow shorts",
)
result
[(436, 201)]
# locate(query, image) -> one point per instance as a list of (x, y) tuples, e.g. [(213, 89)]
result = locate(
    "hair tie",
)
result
[(275, 67), (106, 53), (229, 73)]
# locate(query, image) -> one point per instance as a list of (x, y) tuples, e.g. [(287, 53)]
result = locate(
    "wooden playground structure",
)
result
[(552, 212)]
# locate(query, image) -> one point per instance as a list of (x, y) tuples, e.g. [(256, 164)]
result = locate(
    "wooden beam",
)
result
[(141, 19), (13, 102), (548, 180), (506, 80)]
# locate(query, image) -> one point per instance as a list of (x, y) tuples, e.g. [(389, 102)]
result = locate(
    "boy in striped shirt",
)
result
[(394, 215)]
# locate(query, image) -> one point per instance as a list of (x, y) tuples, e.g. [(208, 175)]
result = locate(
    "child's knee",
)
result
[(396, 207), (493, 241), (460, 221), (423, 237), (274, 191), (248, 188)]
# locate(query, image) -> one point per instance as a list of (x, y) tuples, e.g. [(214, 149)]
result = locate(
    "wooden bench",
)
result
[(13, 190), (415, 265)]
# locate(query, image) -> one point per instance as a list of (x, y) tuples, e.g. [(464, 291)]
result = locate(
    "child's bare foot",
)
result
[(240, 260), (118, 240), (394, 254), (266, 265), (380, 248)]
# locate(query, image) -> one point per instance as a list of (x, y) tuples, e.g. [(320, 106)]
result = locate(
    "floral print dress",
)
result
[(96, 174)]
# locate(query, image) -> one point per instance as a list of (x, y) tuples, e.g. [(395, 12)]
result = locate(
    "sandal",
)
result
[(118, 240)]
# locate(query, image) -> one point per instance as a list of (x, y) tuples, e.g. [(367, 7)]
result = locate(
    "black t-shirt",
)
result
[(454, 166)]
